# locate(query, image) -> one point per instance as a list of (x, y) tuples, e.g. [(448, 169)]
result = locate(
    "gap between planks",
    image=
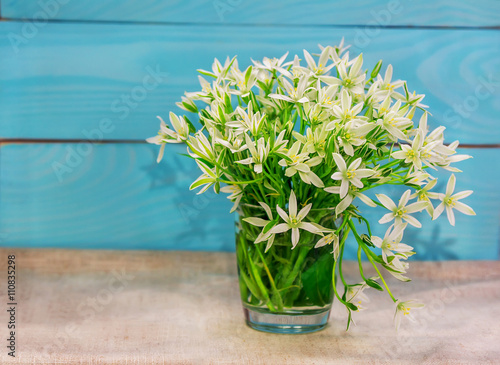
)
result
[(262, 25)]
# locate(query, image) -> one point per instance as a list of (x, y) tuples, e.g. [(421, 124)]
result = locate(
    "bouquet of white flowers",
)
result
[(297, 145)]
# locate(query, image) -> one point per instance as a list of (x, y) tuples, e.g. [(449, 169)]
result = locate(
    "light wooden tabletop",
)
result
[(144, 307)]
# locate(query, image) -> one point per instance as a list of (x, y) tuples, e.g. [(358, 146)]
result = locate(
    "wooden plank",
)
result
[(115, 196), (68, 78), (467, 13)]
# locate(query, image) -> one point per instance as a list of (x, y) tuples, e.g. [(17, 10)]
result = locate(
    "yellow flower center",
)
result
[(351, 173), (451, 202), (400, 212), (319, 68)]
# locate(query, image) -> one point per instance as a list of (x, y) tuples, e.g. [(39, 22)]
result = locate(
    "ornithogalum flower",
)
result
[(405, 310), (294, 220), (351, 175), (402, 211), (450, 201)]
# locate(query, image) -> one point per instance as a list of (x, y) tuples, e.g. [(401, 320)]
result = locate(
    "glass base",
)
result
[(293, 323)]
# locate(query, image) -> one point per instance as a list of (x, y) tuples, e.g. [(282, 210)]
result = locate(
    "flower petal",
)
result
[(413, 221), (450, 187), (339, 161), (438, 211), (386, 201), (404, 198), (464, 208), (344, 187), (416, 207), (279, 228), (282, 213), (292, 204), (386, 218), (304, 211), (451, 215), (295, 237), (462, 194), (259, 222)]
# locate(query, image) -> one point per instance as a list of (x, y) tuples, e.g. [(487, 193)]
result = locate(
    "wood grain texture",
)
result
[(68, 78), (116, 196), (139, 307), (467, 13)]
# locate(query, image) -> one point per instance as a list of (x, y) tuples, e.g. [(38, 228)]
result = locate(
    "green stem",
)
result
[(379, 274), (365, 249), (276, 293), (303, 250)]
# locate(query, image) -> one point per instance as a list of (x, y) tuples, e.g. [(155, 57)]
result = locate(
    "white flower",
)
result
[(424, 195), (448, 156), (346, 111), (393, 119), (351, 195), (314, 141), (386, 85), (416, 154), (320, 68), (248, 121), (411, 99), (353, 136), (326, 95), (259, 153), (206, 91), (259, 222), (295, 94), (403, 309), (326, 240), (402, 211), (392, 242), (234, 144), (218, 71), (451, 202), (354, 80), (166, 135), (300, 162), (294, 222), (187, 104), (273, 64), (355, 295), (351, 175), (208, 178), (243, 81), (236, 192), (201, 147)]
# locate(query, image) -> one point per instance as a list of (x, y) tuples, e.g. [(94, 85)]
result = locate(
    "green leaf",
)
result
[(376, 69), (247, 74), (256, 106), (316, 280), (254, 289), (270, 225), (192, 129), (373, 284), (367, 240), (349, 320), (206, 73), (351, 306), (191, 107)]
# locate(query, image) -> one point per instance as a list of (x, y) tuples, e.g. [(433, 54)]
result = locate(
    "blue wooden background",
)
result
[(71, 76)]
